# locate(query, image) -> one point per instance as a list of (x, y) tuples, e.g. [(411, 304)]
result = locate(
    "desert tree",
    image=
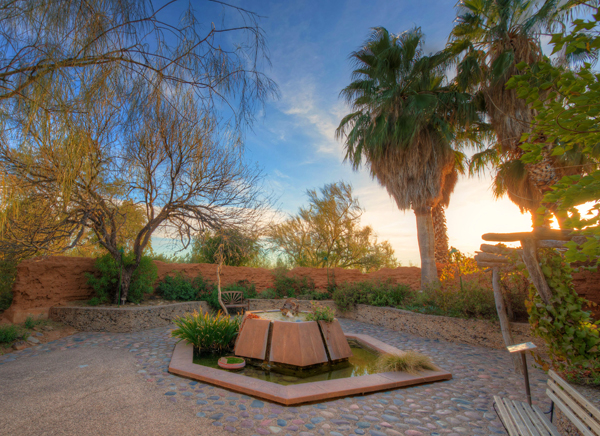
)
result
[(99, 99), (171, 159), (239, 247), (328, 233)]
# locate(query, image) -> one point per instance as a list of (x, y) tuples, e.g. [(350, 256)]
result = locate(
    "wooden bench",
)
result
[(234, 300), (521, 419)]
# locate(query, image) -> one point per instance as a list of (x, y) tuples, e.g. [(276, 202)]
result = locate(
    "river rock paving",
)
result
[(461, 406)]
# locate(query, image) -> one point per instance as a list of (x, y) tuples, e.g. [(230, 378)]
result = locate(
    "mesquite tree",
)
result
[(105, 103), (172, 161)]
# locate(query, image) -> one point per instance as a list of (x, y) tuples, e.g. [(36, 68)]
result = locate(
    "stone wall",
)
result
[(124, 319), (477, 332), (45, 282)]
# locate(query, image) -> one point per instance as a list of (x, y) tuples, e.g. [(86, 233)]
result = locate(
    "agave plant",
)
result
[(207, 333)]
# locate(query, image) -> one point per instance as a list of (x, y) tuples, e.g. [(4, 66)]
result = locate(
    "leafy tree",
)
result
[(102, 110), (327, 233), (239, 249), (567, 103), (109, 279), (404, 123), (171, 163)]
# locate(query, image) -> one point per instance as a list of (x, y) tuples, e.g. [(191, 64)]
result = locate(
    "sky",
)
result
[(293, 139)]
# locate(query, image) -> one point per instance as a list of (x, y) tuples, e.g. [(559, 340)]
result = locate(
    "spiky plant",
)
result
[(408, 361), (206, 332), (405, 120)]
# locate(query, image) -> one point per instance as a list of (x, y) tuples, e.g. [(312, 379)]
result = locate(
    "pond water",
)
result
[(277, 315), (362, 362)]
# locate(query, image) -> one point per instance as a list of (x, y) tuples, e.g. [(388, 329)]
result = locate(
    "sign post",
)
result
[(523, 348)]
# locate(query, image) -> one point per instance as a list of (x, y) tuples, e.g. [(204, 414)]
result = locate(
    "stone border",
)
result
[(182, 365), (123, 319)]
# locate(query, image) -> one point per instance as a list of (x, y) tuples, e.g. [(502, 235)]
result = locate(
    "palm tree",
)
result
[(405, 119), (490, 39)]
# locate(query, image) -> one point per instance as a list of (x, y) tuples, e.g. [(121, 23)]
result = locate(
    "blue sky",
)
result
[(293, 140)]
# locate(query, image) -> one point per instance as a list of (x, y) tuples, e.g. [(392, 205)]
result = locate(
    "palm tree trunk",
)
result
[(440, 231), (426, 239)]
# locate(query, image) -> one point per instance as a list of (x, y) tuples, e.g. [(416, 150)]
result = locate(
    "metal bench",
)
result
[(521, 419), (234, 300)]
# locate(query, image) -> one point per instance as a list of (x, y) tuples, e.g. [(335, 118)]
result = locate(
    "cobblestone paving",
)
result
[(461, 406)]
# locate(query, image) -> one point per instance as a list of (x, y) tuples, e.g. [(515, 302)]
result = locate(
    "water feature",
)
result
[(361, 363)]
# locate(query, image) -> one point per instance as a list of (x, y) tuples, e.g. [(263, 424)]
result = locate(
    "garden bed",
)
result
[(125, 319)]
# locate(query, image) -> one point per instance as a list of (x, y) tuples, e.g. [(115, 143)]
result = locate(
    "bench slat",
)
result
[(522, 428), (505, 417), (542, 417), (521, 410), (569, 414), (541, 427), (575, 407), (576, 395)]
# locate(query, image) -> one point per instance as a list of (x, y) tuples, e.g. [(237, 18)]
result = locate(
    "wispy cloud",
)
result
[(309, 110)]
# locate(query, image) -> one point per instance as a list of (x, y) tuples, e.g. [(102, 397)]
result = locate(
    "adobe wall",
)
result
[(53, 281)]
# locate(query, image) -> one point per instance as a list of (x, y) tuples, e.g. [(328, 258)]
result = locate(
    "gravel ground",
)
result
[(117, 383)]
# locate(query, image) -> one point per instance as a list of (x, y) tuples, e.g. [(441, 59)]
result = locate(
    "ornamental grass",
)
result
[(207, 333), (409, 361)]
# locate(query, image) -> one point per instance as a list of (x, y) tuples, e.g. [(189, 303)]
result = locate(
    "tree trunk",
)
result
[(426, 246), (438, 215), (502, 316), (536, 275), (219, 267), (126, 277)]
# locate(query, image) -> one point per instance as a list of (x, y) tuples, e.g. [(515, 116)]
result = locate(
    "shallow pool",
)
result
[(362, 362)]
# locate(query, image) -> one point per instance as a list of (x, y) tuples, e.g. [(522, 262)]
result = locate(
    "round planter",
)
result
[(223, 363)]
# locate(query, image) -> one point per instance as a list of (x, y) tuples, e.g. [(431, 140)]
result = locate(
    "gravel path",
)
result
[(160, 403)]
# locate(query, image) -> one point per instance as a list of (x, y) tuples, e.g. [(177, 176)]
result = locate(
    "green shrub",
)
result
[(8, 273), (179, 288), (286, 287), (348, 295), (315, 295), (5, 299), (268, 294), (320, 313), (106, 285), (94, 301), (29, 322), (9, 333), (473, 301), (207, 333)]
